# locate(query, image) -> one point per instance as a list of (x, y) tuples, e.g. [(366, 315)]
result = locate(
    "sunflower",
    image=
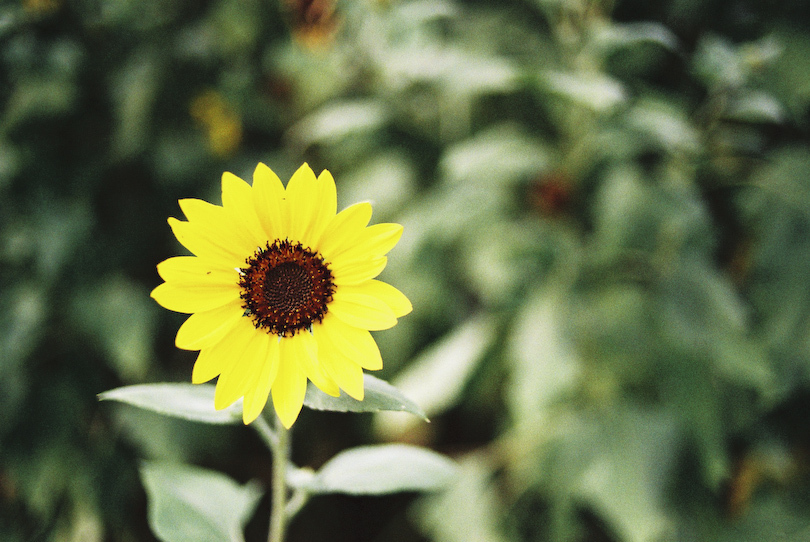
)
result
[(281, 289)]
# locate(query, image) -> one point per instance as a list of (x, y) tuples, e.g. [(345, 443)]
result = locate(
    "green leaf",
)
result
[(755, 106), (718, 63), (194, 402), (379, 395), (599, 93), (134, 89), (38, 97), (504, 154), (331, 123), (438, 376), (665, 125), (124, 334), (381, 469), (785, 174), (632, 457), (190, 504), (546, 365), (388, 178), (613, 37)]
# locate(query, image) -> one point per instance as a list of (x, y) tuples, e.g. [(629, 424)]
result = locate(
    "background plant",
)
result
[(605, 206)]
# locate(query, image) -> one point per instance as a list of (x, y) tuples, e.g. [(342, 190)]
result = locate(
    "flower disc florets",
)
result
[(285, 288)]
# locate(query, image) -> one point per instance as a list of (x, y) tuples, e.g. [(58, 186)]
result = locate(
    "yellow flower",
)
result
[(280, 289), (219, 120)]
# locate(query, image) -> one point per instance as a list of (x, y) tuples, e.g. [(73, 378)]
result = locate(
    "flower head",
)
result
[(281, 289)]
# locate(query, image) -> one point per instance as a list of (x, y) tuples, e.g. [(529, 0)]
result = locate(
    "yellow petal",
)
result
[(360, 309), (207, 367), (349, 377), (194, 270), (358, 271), (389, 295), (214, 249), (304, 348), (258, 392), (269, 202), (289, 388), (205, 328), (343, 228), (216, 359), (325, 207), (219, 226), (344, 371), (301, 197), (355, 343), (237, 199), (243, 362), (372, 242), (194, 297)]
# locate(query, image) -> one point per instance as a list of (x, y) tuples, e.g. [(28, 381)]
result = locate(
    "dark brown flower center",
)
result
[(285, 288)]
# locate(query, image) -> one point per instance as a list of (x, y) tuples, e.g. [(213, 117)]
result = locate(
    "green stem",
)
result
[(267, 433), (297, 501), (280, 447)]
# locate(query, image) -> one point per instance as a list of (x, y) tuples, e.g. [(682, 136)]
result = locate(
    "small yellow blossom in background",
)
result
[(281, 289), (41, 7), (222, 125), (314, 23)]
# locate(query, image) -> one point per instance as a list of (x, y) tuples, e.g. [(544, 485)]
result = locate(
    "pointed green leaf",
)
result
[(382, 469), (331, 123), (599, 93), (190, 504), (614, 37), (504, 154), (379, 395), (193, 402), (633, 459)]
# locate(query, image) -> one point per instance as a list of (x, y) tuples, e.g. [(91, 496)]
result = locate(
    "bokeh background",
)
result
[(607, 243)]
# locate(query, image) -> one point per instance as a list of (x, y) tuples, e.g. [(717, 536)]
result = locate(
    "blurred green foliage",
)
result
[(607, 243)]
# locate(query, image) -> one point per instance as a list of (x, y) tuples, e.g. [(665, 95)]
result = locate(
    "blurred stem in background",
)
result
[(280, 447)]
